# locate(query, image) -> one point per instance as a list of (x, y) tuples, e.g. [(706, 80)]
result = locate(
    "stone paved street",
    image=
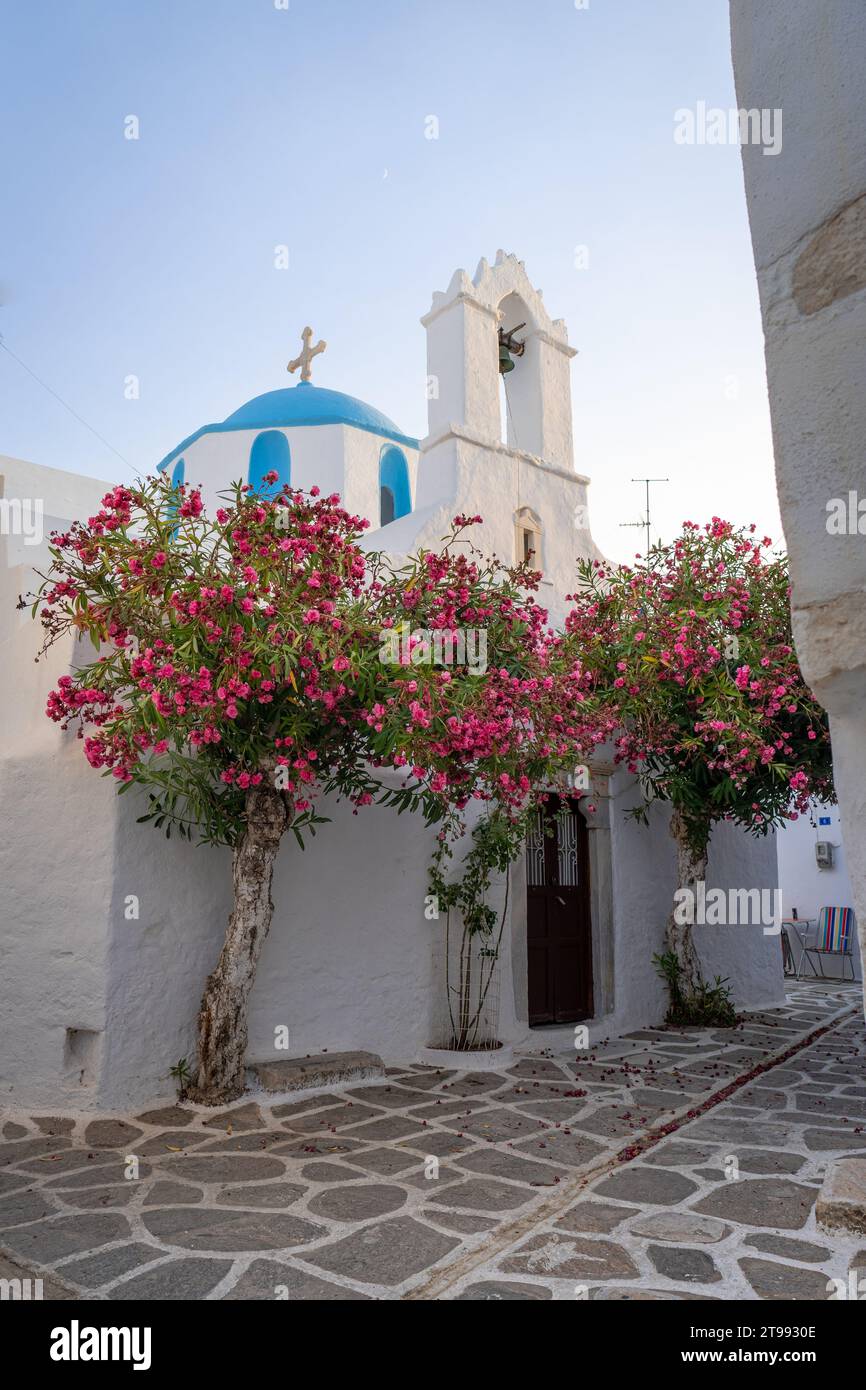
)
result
[(548, 1180)]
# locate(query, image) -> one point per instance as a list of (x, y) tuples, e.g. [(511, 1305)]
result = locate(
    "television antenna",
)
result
[(646, 521)]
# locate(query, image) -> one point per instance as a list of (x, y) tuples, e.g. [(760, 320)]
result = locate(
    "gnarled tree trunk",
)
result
[(691, 869), (222, 1019)]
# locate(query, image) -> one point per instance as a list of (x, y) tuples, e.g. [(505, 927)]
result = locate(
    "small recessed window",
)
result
[(387, 507), (394, 496), (527, 538)]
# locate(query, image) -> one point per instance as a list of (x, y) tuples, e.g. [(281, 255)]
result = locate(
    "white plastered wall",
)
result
[(336, 458), (807, 211)]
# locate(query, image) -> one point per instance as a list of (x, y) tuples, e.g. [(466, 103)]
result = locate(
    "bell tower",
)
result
[(463, 359), (499, 443)]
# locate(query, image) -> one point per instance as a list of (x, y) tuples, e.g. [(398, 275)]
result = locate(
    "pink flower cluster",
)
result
[(692, 652)]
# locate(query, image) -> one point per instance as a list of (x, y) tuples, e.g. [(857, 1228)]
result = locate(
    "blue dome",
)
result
[(306, 404), (303, 404)]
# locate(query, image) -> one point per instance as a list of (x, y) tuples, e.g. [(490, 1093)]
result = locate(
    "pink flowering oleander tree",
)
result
[(249, 663), (692, 651)]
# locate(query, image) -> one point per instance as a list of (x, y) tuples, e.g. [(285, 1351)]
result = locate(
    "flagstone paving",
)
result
[(545, 1181)]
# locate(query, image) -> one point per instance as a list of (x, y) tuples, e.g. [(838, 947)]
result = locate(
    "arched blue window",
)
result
[(270, 453), (394, 498)]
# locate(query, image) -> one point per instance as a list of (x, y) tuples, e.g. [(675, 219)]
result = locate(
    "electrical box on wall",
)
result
[(823, 854)]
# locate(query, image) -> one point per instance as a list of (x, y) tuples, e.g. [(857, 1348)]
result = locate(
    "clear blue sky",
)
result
[(261, 126)]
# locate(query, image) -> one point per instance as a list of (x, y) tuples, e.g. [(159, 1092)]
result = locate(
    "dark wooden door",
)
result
[(558, 915)]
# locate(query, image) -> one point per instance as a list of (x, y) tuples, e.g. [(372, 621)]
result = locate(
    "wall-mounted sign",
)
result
[(824, 820)]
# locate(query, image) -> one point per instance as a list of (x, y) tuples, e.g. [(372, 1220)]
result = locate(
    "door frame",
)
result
[(585, 885)]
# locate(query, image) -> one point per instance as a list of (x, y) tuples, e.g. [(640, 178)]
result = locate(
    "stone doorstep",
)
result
[(317, 1070), (841, 1204)]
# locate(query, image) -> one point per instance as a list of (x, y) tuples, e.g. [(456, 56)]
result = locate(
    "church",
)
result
[(110, 930)]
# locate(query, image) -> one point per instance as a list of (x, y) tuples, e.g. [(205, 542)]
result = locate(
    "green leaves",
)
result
[(307, 821), (496, 841)]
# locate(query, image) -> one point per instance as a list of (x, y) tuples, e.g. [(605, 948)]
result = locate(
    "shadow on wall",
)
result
[(169, 908), (644, 881), (745, 867), (348, 961), (56, 866)]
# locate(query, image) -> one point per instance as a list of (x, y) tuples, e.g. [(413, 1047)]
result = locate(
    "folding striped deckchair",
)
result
[(835, 936)]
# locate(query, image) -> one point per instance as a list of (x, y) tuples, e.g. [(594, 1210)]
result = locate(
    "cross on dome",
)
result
[(307, 353)]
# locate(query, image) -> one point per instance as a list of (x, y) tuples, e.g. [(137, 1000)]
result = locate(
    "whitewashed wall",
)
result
[(807, 211), (94, 1007), (354, 967), (55, 852), (337, 458)]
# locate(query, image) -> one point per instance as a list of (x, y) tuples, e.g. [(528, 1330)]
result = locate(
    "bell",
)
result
[(506, 361)]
